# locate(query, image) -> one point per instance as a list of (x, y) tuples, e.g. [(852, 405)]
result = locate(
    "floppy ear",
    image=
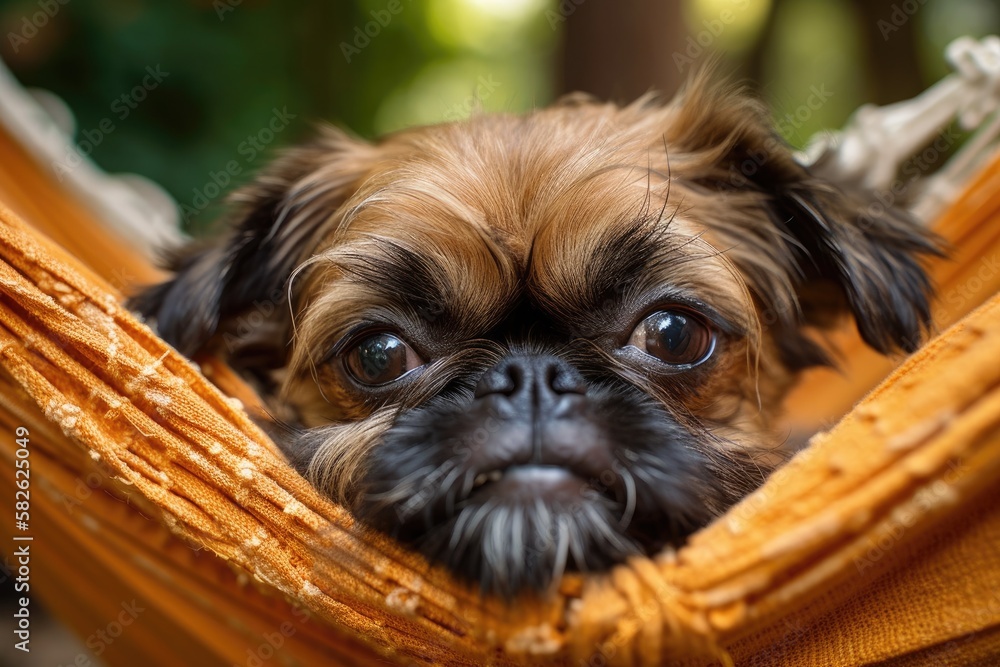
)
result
[(812, 249), (274, 222)]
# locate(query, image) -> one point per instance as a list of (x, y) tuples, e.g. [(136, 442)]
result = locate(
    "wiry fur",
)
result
[(557, 230)]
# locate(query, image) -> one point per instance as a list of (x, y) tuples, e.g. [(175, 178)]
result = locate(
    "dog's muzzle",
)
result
[(541, 443)]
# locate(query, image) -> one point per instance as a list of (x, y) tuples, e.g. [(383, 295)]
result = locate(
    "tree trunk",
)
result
[(620, 50), (890, 51)]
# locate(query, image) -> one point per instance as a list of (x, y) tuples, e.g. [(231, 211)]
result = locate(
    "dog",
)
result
[(531, 344)]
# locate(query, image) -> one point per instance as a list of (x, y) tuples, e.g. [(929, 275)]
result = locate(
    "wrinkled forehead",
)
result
[(432, 232)]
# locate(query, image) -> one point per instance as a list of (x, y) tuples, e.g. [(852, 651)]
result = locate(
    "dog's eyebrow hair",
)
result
[(635, 248), (625, 253), (401, 275)]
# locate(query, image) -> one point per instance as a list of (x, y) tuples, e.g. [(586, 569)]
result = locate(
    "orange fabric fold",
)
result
[(878, 544)]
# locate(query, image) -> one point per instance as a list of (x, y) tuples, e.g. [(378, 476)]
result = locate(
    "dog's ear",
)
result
[(272, 224), (796, 235)]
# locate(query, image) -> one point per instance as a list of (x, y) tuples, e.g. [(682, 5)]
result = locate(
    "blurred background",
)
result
[(189, 87), (197, 94)]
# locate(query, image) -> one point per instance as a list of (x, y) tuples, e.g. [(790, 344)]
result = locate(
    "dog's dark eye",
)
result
[(675, 337), (381, 358)]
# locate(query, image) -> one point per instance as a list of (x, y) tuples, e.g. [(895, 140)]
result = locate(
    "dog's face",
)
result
[(539, 343)]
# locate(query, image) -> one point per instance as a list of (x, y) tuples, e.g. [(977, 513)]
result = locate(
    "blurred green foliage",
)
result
[(230, 64), (373, 66), (818, 44)]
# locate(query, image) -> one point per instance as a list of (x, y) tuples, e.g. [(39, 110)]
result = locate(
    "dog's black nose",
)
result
[(533, 380)]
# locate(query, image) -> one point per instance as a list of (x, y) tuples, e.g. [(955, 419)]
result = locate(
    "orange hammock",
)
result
[(158, 510)]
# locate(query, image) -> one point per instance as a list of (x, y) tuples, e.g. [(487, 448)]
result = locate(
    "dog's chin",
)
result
[(525, 529), (510, 522)]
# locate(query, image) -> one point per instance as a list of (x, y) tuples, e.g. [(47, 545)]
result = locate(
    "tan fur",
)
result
[(502, 207), (506, 204)]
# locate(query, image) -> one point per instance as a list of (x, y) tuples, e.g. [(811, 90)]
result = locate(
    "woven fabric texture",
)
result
[(879, 543)]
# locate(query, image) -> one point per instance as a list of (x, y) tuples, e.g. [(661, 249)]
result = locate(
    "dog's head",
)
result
[(527, 344)]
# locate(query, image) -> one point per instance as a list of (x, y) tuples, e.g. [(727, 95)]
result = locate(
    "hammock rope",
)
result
[(850, 554)]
